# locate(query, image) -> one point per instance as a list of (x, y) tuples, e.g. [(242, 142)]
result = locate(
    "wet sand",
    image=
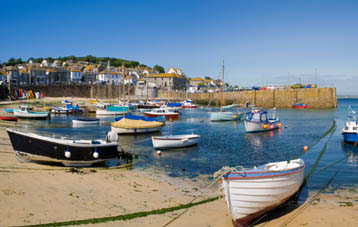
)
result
[(34, 194)]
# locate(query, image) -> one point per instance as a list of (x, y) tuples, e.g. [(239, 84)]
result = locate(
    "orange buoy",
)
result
[(305, 148)]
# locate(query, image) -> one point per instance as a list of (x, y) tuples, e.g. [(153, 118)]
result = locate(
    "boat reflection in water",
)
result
[(351, 152)]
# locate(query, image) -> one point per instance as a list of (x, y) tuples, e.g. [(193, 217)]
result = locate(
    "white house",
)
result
[(109, 77), (176, 71), (75, 75)]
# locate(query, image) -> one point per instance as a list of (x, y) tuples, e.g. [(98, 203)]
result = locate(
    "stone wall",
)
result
[(319, 98)]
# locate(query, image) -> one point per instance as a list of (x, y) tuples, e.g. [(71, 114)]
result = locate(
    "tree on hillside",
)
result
[(18, 61), (11, 62), (158, 68), (50, 60), (207, 78)]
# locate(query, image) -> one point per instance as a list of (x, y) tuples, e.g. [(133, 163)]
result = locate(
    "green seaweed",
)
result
[(128, 216)]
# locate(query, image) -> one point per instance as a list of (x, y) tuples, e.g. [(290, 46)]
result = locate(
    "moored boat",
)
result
[(85, 121), (138, 117), (60, 110), (350, 130), (225, 116), (33, 147), (189, 104), (8, 118), (24, 112), (130, 126), (112, 110), (299, 106), (6, 110), (251, 193), (162, 112), (175, 141), (257, 121)]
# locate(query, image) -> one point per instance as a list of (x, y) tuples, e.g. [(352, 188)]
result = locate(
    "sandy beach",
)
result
[(38, 194)]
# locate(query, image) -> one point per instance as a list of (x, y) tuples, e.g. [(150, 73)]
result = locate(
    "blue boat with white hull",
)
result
[(350, 130), (257, 121)]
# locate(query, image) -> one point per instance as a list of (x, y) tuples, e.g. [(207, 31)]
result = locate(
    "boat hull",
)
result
[(135, 130), (167, 116), (45, 149), (8, 118), (350, 137), (107, 112), (167, 142), (251, 126), (300, 106), (249, 195), (29, 115), (224, 116), (190, 106), (85, 121)]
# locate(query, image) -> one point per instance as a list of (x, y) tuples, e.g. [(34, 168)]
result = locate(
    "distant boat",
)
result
[(299, 106), (253, 192), (257, 121), (33, 147), (8, 118), (85, 121), (64, 102), (112, 110), (24, 112), (350, 130), (60, 110), (175, 141), (130, 126), (189, 104), (162, 112)]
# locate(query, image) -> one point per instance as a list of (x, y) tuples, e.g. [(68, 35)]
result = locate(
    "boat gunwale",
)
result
[(165, 138), (291, 172)]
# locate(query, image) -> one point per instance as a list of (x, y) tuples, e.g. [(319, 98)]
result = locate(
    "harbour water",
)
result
[(227, 144)]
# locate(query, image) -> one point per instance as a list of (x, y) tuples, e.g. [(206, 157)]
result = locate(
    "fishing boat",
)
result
[(60, 110), (299, 106), (129, 126), (175, 141), (350, 130), (8, 110), (37, 148), (24, 112), (189, 104), (253, 192), (112, 110), (258, 121), (85, 121), (8, 118), (65, 102), (162, 112)]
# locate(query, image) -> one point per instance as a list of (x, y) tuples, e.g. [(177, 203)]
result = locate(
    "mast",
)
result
[(222, 91), (147, 89), (123, 90), (129, 88)]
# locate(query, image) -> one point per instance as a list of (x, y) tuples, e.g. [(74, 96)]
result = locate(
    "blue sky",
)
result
[(262, 42)]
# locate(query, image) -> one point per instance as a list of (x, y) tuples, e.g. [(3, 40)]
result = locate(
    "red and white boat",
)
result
[(189, 104), (162, 112)]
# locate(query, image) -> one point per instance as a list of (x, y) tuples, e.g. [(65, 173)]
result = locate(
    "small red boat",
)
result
[(299, 106), (8, 118), (189, 104), (162, 112)]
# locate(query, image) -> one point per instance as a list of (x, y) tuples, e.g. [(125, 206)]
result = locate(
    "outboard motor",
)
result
[(112, 136)]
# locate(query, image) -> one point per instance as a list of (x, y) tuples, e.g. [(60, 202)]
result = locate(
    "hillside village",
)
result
[(85, 72)]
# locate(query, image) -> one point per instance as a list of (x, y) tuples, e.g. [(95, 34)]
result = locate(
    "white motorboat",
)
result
[(225, 116), (24, 112), (175, 141), (60, 110), (350, 130), (257, 121), (162, 112), (252, 192), (85, 121)]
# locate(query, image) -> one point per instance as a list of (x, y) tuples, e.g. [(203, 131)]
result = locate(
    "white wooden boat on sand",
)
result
[(175, 141), (252, 192)]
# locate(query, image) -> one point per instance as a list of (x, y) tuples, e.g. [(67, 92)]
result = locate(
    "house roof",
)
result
[(108, 72), (164, 75), (89, 67), (196, 79), (75, 70)]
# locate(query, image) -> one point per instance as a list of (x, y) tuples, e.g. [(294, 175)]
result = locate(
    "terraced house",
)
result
[(168, 81)]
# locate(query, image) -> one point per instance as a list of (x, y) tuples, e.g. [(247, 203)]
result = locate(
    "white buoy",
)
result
[(159, 153), (95, 154), (67, 154)]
